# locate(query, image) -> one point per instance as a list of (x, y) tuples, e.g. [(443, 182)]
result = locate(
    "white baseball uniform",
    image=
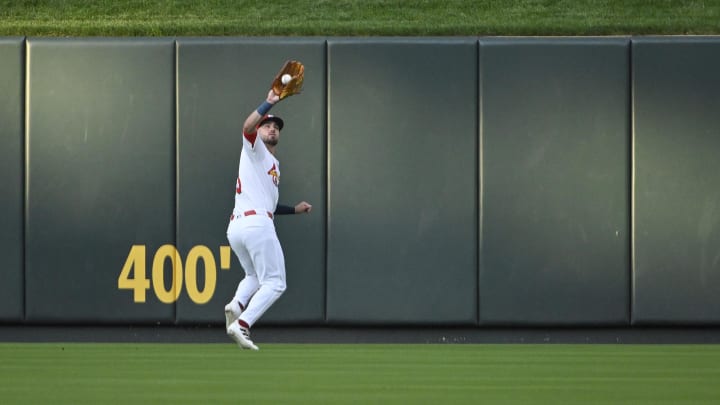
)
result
[(251, 231)]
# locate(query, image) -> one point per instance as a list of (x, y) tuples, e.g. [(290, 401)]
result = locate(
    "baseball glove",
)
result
[(296, 70)]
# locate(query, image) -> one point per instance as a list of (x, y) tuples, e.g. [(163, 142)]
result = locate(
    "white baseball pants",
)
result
[(255, 243)]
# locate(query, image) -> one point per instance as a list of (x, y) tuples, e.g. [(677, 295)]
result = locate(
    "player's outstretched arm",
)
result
[(252, 120)]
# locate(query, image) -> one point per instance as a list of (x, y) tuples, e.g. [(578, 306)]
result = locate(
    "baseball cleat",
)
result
[(241, 336), (232, 313)]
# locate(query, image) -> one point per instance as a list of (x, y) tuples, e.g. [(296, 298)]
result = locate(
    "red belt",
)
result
[(251, 212)]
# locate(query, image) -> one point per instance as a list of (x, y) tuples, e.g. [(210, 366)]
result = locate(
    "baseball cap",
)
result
[(273, 118)]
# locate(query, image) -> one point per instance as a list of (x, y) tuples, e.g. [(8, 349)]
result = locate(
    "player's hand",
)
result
[(272, 98), (303, 207)]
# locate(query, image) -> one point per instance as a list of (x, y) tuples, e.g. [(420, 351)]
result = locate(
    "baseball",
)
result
[(285, 79)]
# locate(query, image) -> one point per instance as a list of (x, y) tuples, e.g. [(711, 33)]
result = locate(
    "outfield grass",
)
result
[(74, 373), (357, 17)]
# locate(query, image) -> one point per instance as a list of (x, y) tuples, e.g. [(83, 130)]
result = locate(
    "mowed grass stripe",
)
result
[(313, 373), (353, 17)]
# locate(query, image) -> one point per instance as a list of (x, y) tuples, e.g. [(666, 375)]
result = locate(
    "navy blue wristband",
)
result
[(264, 108)]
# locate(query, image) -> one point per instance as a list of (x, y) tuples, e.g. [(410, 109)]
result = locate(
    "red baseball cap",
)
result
[(273, 118)]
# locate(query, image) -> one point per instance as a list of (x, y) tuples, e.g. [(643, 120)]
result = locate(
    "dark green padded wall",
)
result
[(100, 170), (555, 189), (676, 91), (11, 177), (402, 164), (220, 81), (427, 177)]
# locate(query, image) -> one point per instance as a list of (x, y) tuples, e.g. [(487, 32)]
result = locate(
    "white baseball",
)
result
[(285, 79)]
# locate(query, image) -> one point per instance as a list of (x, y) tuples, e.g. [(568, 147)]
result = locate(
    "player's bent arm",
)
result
[(301, 207), (284, 210)]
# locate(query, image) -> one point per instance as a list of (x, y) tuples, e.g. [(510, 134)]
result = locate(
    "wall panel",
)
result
[(220, 81), (555, 181), (100, 170), (402, 213), (12, 51), (676, 91)]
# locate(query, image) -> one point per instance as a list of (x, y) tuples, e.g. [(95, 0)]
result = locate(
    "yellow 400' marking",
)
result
[(133, 274)]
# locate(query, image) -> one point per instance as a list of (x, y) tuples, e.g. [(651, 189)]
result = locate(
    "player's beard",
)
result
[(270, 139), (271, 142)]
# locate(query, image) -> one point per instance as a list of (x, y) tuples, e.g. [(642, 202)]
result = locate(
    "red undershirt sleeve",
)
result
[(251, 138)]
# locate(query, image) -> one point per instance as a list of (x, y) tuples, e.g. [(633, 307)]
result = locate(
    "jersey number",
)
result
[(238, 187)]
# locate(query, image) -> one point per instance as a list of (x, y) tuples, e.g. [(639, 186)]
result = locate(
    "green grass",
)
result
[(357, 17), (75, 373)]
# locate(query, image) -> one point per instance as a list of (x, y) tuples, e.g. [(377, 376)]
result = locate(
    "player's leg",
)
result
[(248, 285), (246, 288), (257, 243), (269, 264)]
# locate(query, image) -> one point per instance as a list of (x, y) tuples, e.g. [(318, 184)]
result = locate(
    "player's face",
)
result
[(269, 133)]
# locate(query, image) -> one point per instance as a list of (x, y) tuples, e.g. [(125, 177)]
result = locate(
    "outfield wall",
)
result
[(469, 182)]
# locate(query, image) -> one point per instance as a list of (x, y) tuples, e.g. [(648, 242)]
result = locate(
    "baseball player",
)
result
[(251, 231)]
